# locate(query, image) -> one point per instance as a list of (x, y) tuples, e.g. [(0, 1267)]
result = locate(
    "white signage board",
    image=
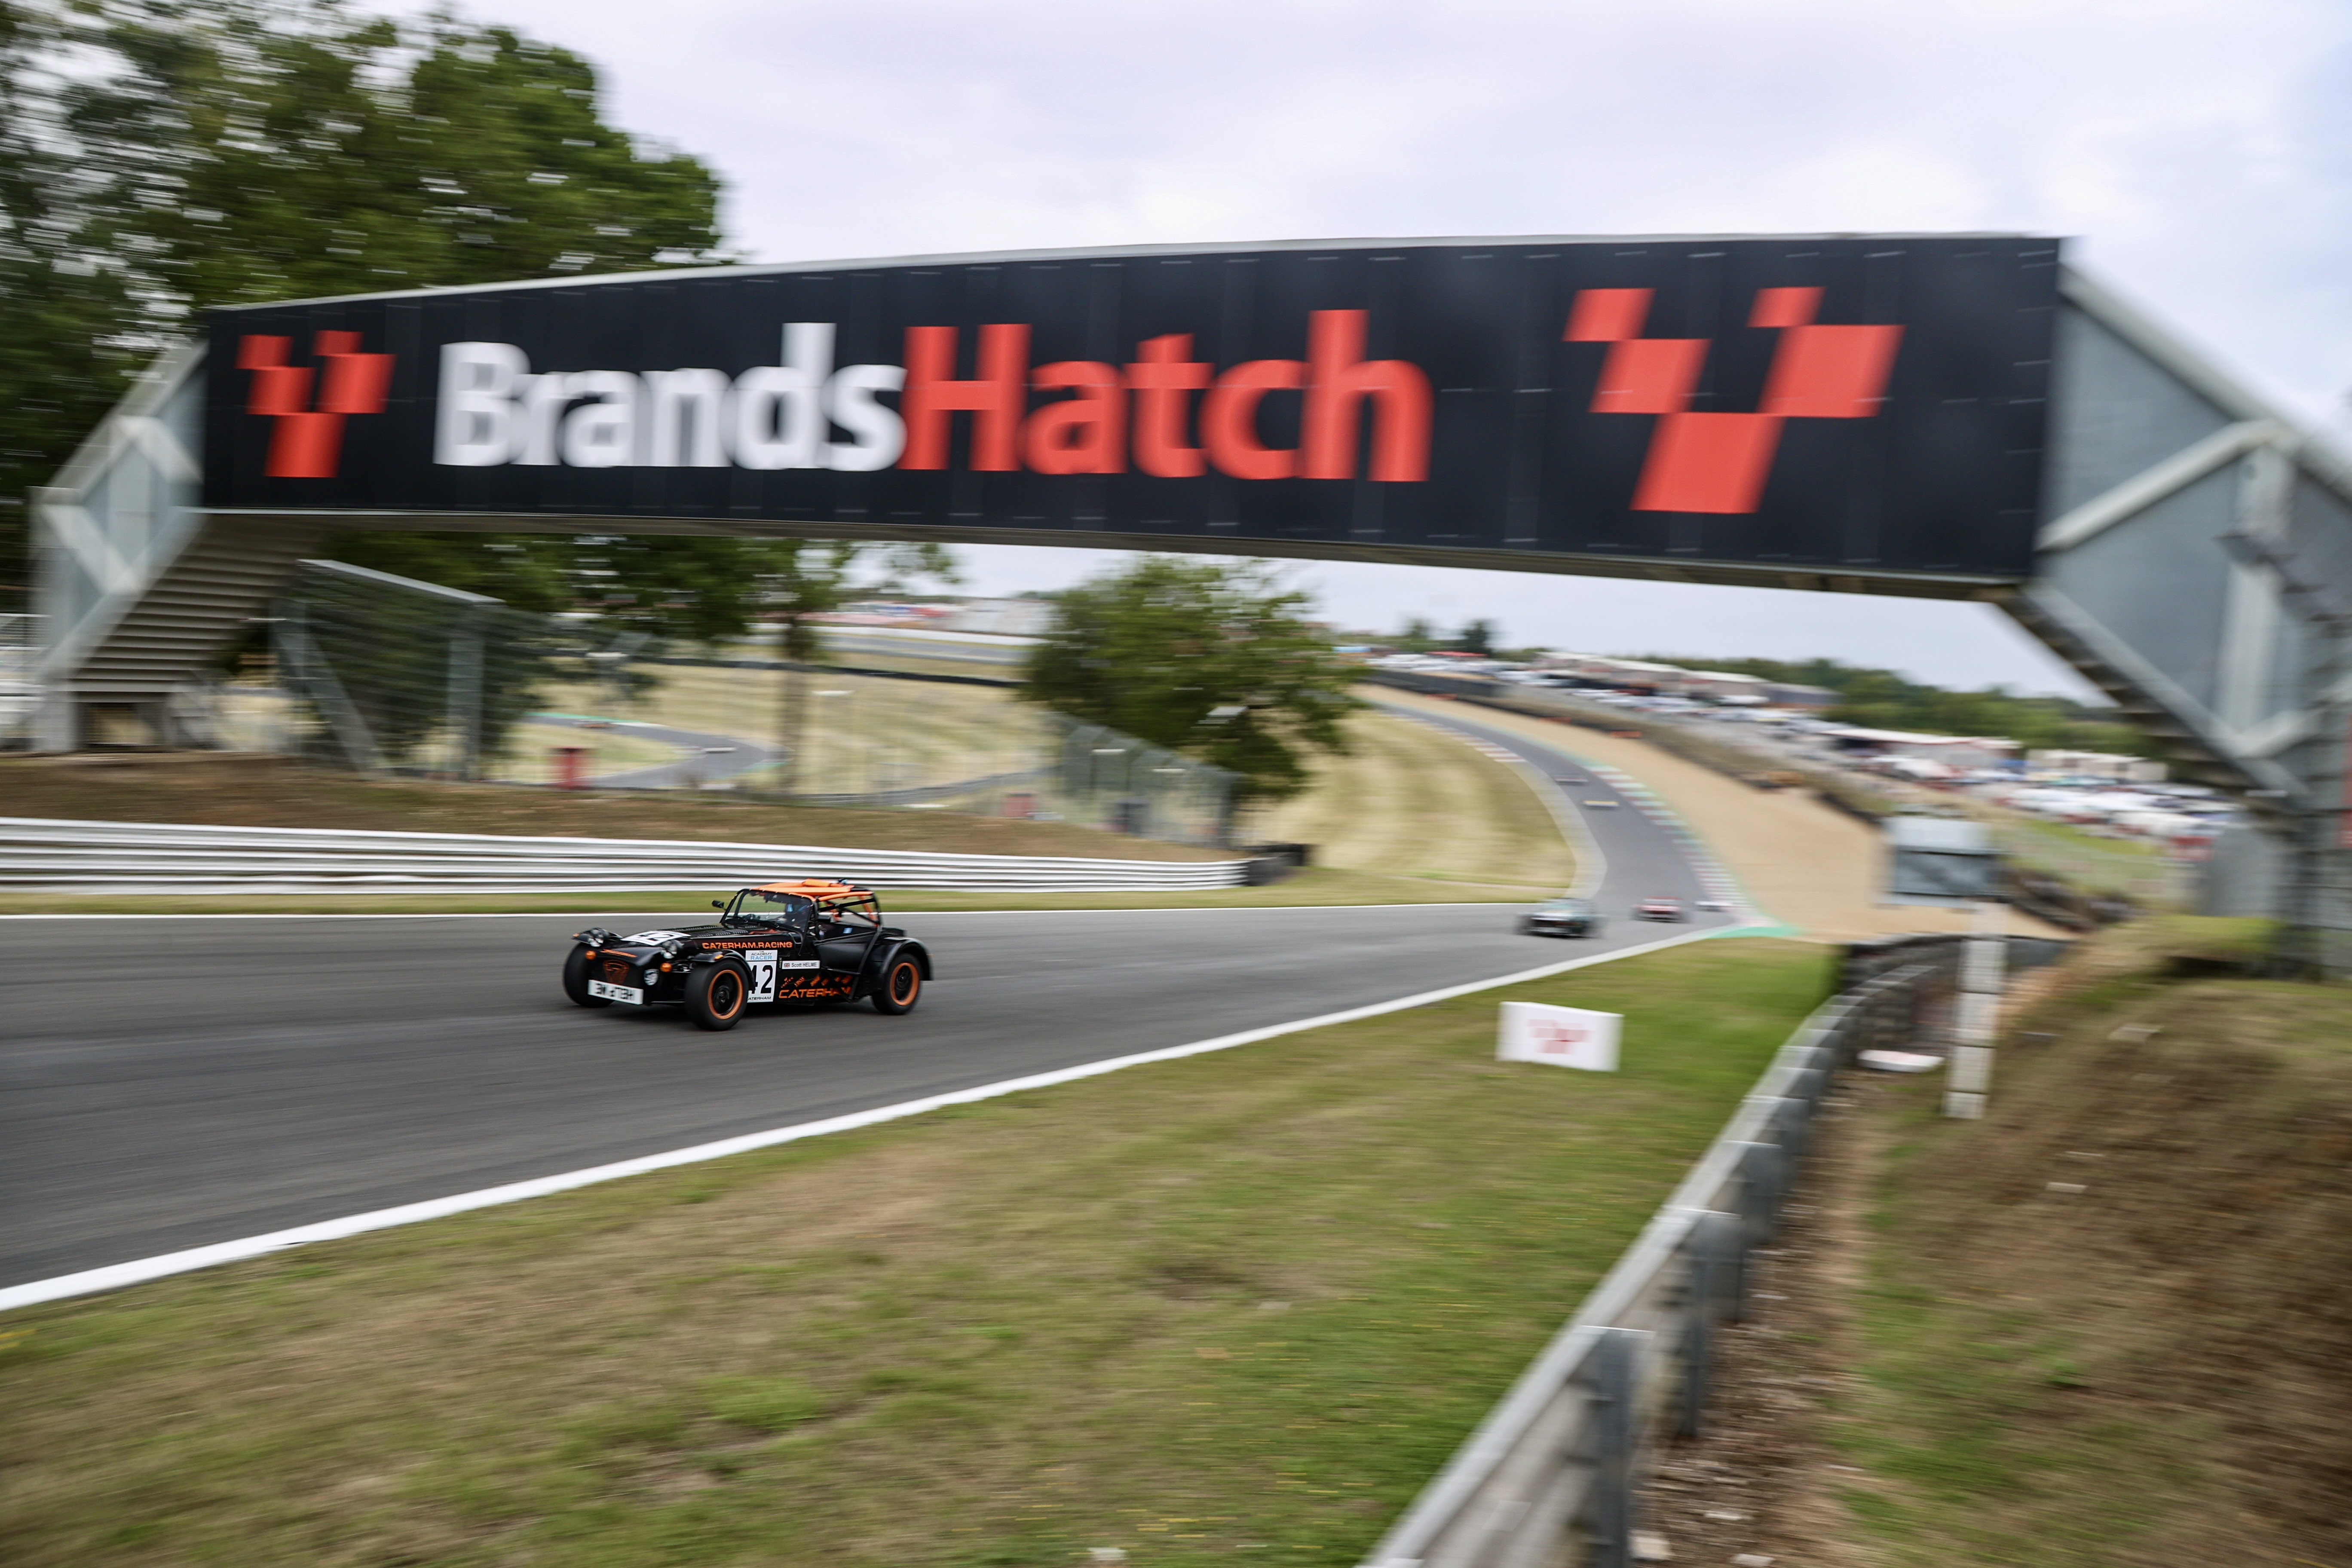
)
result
[(1563, 1036)]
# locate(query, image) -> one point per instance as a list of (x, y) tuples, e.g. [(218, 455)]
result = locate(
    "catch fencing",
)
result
[(20, 652), (385, 675), (170, 857), (1552, 1476)]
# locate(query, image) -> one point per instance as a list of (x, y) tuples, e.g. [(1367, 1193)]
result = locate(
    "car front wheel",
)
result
[(901, 987), (714, 995), (575, 980)]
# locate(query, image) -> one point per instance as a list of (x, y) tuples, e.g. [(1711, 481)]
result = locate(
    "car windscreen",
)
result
[(1566, 906), (773, 909)]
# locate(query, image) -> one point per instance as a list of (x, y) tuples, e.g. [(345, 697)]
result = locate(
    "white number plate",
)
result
[(763, 962), (616, 993)]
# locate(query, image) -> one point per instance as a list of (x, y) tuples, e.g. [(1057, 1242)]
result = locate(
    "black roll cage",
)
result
[(865, 905)]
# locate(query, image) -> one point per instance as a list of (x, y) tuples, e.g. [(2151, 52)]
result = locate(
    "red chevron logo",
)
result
[(307, 443), (1718, 462)]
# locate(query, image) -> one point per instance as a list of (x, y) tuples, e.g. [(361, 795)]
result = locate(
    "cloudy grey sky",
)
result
[(2198, 152)]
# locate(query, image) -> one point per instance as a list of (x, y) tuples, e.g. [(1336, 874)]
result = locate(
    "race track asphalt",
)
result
[(172, 1082)]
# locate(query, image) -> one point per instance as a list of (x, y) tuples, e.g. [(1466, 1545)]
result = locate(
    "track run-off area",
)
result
[(184, 1082)]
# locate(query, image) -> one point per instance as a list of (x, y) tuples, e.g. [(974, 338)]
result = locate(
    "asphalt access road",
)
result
[(1642, 860), (707, 758), (172, 1082)]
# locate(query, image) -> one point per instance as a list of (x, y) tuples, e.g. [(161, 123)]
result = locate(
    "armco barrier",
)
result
[(156, 858), (1549, 1476)]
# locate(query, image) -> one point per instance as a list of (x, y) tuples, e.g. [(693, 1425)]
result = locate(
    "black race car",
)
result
[(1561, 917), (820, 942)]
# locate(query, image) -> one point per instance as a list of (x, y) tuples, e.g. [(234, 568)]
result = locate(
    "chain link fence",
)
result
[(387, 676), (392, 676)]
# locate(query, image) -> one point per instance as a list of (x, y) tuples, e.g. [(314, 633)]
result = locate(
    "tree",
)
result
[(1418, 637), (161, 156), (1215, 660), (1477, 637), (527, 572), (63, 316), (1880, 698)]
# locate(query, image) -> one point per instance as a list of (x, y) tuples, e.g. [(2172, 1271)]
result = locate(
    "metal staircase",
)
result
[(141, 589)]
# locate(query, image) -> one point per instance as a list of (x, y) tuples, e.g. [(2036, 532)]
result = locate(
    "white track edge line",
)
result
[(116, 1276)]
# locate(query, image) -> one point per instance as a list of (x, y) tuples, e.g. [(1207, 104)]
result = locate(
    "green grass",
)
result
[(2149, 1366), (1968, 1427), (1235, 1307)]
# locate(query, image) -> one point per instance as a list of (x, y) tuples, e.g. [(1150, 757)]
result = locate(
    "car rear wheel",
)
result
[(714, 995), (901, 987), (575, 980)]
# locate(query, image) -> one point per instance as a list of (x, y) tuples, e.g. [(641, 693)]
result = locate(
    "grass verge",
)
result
[(2106, 1327), (237, 790), (1311, 887), (1411, 800), (1236, 1306)]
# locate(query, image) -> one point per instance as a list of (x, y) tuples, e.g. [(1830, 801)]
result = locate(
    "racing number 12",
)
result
[(763, 974)]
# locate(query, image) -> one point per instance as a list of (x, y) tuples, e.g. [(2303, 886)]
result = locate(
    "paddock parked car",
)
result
[(1561, 917), (1658, 906), (812, 941)]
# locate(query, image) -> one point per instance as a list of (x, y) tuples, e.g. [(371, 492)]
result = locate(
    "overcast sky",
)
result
[(2198, 152)]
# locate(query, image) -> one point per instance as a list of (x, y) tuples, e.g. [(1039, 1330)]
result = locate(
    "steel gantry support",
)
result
[(140, 590), (2197, 566)]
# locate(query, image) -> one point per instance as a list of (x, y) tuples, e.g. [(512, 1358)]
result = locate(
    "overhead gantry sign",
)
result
[(1744, 410)]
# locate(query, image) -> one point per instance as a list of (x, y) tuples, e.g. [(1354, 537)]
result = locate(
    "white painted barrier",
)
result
[(160, 857)]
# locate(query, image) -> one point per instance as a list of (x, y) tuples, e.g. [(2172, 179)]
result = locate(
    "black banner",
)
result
[(1872, 405)]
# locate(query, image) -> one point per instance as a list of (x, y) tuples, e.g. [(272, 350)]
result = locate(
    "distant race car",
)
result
[(1561, 917), (814, 942), (1659, 907)]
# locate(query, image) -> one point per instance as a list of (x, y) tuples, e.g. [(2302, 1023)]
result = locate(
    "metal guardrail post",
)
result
[(1611, 1373), (1763, 1175), (1790, 1124), (1981, 979), (1714, 1255)]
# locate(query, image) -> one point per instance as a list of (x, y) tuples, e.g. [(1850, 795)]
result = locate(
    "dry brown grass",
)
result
[(1413, 801), (1955, 1365)]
